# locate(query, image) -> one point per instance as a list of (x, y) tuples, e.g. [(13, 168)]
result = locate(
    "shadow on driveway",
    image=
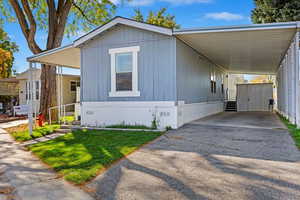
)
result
[(205, 161)]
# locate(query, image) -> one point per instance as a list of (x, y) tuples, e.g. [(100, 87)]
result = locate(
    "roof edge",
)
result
[(269, 26), (30, 59), (125, 21)]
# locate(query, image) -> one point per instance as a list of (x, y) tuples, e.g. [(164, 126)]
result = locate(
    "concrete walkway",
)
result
[(24, 177), (226, 156)]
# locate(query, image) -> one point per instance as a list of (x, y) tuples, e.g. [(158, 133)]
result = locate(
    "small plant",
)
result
[(128, 126), (168, 128), (154, 123), (292, 128)]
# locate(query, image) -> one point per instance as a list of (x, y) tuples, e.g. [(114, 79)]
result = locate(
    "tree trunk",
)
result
[(48, 90)]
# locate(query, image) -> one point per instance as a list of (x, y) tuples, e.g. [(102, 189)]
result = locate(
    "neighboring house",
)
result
[(69, 88), (9, 92), (262, 79), (9, 87)]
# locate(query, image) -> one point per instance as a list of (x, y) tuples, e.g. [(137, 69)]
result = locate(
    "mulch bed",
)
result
[(5, 118)]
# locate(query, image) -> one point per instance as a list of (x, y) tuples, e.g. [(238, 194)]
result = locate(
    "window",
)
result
[(213, 85), (124, 72), (37, 90), (74, 85), (222, 83), (27, 90)]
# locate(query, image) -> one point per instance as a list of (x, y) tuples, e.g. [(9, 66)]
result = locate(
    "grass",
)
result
[(21, 133), (125, 126), (294, 131), (81, 155), (68, 119)]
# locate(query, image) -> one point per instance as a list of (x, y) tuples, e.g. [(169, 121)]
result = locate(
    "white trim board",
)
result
[(124, 21), (113, 90)]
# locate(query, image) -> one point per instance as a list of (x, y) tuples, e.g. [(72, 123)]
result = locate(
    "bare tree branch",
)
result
[(82, 12), (61, 24), (52, 22), (28, 33), (32, 28)]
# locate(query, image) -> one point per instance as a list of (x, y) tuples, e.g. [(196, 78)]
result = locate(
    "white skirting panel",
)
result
[(166, 113), (194, 111), (99, 114)]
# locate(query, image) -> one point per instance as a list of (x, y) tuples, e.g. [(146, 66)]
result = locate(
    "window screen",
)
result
[(124, 72)]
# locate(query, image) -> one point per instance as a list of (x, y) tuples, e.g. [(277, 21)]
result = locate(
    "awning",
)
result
[(242, 49), (66, 56)]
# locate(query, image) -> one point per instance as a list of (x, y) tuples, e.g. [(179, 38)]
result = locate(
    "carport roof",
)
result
[(256, 48), (238, 49)]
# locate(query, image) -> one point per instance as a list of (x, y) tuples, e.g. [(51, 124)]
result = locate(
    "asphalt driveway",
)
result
[(226, 156)]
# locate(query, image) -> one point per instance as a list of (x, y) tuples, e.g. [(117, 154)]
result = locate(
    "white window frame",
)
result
[(134, 92), (37, 90), (76, 81)]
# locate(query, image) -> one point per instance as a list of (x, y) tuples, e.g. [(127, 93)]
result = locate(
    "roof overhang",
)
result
[(66, 56), (125, 21), (253, 49)]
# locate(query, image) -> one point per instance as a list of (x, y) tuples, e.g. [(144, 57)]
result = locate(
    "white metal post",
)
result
[(297, 79), (59, 103), (30, 119), (61, 92)]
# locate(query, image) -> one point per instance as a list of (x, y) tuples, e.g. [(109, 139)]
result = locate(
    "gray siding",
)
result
[(193, 76), (156, 65)]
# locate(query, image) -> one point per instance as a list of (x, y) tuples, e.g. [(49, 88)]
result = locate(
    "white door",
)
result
[(254, 97), (242, 97)]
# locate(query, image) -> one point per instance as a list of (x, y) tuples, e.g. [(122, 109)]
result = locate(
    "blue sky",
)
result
[(189, 13)]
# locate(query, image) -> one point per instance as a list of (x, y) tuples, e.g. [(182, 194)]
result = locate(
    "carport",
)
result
[(255, 49), (250, 49)]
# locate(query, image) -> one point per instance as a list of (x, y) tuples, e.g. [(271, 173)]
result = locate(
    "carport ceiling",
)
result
[(244, 49)]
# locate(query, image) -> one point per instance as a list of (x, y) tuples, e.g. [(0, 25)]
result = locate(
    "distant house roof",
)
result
[(24, 75), (9, 80)]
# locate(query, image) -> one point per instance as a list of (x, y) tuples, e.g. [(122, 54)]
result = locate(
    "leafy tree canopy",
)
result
[(7, 48), (57, 18), (81, 14), (159, 18), (268, 11)]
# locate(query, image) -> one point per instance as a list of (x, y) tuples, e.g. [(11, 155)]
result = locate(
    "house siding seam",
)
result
[(193, 76), (288, 83), (156, 66)]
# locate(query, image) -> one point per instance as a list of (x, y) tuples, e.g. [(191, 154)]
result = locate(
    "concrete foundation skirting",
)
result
[(116, 129), (194, 111)]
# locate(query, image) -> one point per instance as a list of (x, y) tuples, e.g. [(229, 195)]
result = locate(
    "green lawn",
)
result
[(68, 119), (294, 131), (81, 155), (124, 126), (21, 133)]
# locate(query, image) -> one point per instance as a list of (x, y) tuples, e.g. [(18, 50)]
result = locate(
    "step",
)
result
[(230, 109), (65, 126), (63, 130)]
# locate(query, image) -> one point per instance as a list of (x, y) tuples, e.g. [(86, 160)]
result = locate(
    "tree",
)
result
[(268, 11), (56, 18), (160, 18), (7, 48)]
